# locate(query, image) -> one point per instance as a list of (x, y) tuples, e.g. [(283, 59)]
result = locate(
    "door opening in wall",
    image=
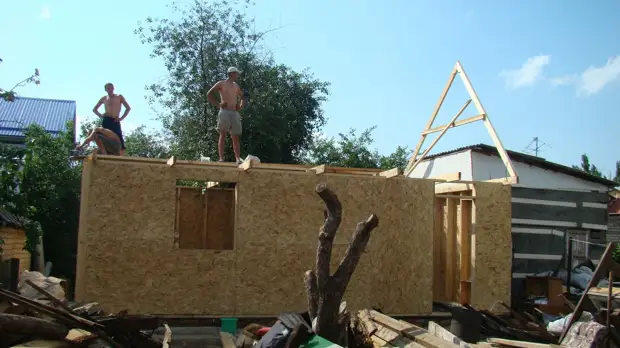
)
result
[(205, 214)]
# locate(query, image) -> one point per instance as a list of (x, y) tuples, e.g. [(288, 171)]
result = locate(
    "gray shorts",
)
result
[(229, 120), (112, 147)]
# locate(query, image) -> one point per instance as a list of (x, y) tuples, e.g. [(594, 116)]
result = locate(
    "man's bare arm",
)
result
[(96, 108), (127, 107), (210, 96), (240, 96)]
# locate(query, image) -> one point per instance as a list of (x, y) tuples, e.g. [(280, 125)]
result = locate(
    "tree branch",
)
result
[(354, 252), (312, 292), (333, 216)]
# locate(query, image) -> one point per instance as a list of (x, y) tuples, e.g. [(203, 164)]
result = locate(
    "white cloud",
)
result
[(528, 74), (593, 79), (45, 13)]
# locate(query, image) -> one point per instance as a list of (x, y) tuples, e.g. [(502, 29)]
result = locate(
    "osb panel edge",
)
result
[(82, 252)]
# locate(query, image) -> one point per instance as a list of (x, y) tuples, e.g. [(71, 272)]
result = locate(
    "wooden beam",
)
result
[(450, 187), (465, 259), (172, 161), (318, 169), (511, 180), (445, 129), (429, 124), (455, 124), (450, 280), (459, 197), (247, 164), (448, 177), (438, 285), (487, 121), (93, 156), (390, 173)]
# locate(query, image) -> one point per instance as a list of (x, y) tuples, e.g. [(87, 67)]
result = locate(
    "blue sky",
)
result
[(544, 69)]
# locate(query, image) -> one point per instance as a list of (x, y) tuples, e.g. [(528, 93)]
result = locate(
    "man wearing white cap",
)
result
[(228, 118)]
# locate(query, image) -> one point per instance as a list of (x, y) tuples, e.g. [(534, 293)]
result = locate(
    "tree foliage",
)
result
[(10, 94), (285, 105), (40, 184), (589, 168), (354, 151)]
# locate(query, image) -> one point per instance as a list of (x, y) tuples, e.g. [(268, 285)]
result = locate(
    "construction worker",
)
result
[(108, 142), (111, 116), (228, 118)]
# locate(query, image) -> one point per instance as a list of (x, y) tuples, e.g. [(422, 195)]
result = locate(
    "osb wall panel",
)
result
[(492, 243), (13, 248), (127, 260)]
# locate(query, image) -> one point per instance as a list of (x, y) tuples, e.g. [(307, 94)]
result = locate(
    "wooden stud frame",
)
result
[(482, 116)]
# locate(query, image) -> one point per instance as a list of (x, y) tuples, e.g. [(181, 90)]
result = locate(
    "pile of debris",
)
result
[(35, 316)]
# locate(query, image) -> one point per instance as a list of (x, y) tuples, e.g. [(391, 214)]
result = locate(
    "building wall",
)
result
[(132, 259), (13, 248), (487, 167), (613, 228), (445, 165)]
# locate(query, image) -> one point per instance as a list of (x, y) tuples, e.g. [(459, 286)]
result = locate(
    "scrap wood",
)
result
[(446, 335), (368, 325), (168, 337), (521, 344), (410, 331), (39, 328), (64, 317), (50, 297), (393, 338)]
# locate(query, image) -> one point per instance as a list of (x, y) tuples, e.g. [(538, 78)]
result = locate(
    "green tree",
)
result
[(354, 151), (587, 167), (40, 184), (284, 105), (10, 94), (617, 176)]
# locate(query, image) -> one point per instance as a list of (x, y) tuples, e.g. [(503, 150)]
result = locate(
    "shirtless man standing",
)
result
[(228, 118), (111, 119)]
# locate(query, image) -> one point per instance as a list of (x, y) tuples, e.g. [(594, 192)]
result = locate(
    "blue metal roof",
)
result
[(51, 114)]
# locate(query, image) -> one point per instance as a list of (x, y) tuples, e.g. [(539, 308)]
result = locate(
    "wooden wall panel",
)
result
[(129, 260)]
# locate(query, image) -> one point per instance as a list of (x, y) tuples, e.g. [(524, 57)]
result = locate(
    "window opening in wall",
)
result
[(205, 214)]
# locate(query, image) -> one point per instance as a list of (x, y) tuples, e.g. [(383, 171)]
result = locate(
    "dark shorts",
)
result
[(109, 123), (112, 146)]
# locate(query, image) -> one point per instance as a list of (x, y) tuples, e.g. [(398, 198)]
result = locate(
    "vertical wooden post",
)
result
[(451, 250), (438, 259), (465, 234)]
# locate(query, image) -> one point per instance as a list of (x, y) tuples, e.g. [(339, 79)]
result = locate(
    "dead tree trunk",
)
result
[(325, 292)]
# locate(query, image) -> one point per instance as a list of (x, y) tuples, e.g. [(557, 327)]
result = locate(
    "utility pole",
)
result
[(537, 146)]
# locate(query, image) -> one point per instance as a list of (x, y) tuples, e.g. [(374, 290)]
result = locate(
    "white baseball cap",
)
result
[(233, 69)]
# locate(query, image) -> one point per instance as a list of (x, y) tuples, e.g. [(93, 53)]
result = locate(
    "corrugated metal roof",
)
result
[(530, 160), (10, 220), (51, 114)]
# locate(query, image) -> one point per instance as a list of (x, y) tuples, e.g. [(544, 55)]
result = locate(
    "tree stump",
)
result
[(325, 292)]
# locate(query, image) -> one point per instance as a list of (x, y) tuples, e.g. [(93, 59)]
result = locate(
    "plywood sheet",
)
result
[(492, 245), (128, 260)]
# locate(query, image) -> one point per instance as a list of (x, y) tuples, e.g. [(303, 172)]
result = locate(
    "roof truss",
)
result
[(415, 160)]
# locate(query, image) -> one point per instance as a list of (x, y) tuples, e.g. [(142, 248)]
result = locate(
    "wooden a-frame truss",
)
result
[(482, 116)]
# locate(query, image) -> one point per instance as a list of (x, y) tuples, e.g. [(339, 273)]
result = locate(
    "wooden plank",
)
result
[(510, 180), (429, 124), (451, 250), (390, 173), (438, 286), (367, 323), (446, 335), (318, 169), (247, 164), (465, 262), (455, 124), (168, 337), (487, 122), (227, 340), (452, 187), (411, 331), (172, 161), (521, 344), (459, 197), (394, 338), (448, 177), (430, 147)]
